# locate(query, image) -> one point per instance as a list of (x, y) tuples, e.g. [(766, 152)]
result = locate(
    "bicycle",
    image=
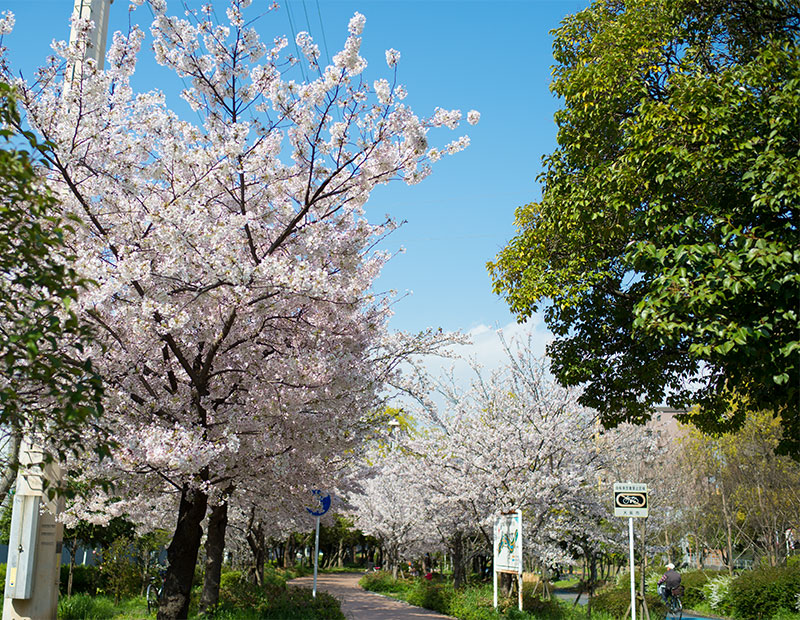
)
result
[(674, 603), (154, 589)]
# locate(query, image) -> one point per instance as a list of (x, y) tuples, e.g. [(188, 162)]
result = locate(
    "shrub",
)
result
[(615, 602), (382, 581), (237, 592), (85, 579), (273, 578), (299, 604), (694, 583), (717, 593), (120, 576), (763, 592), (431, 596)]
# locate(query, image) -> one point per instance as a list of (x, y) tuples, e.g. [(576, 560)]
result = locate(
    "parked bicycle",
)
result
[(154, 589)]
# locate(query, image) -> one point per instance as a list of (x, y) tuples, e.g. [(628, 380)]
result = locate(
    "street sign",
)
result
[(630, 499), (324, 506), (324, 503)]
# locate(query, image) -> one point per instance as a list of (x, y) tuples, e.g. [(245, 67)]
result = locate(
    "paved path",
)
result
[(358, 604)]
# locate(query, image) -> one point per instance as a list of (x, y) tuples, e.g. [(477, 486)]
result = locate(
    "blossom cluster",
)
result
[(233, 263)]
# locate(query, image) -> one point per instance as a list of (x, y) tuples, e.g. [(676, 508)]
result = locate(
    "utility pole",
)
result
[(35, 540), (97, 11)]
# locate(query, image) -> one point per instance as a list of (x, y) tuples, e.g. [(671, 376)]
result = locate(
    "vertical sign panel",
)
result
[(508, 543)]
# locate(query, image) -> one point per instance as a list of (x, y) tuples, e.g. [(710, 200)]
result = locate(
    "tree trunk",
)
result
[(288, 555), (257, 541), (72, 547), (182, 555), (729, 532), (458, 560), (215, 548)]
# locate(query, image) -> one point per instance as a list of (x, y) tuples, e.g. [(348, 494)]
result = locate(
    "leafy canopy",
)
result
[(48, 386), (664, 250)]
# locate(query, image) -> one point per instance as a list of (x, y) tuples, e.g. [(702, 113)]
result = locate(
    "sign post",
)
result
[(324, 506), (630, 500), (508, 549)]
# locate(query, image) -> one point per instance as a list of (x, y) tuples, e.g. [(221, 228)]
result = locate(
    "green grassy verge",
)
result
[(239, 600), (474, 602)]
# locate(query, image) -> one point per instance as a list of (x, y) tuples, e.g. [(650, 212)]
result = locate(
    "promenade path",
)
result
[(358, 604)]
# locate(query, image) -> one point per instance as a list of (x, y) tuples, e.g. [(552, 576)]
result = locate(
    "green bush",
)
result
[(430, 596), (717, 593), (694, 583), (764, 592), (236, 592), (85, 607), (382, 581), (615, 602), (299, 604), (243, 601), (85, 579), (121, 579), (273, 578)]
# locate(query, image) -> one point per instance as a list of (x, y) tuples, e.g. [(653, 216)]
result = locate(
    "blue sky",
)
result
[(493, 56)]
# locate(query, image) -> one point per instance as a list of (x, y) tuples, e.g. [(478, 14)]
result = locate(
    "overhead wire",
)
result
[(294, 39), (322, 28)]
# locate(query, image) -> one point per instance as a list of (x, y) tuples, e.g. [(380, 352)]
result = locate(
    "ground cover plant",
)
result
[(239, 600), (474, 601)]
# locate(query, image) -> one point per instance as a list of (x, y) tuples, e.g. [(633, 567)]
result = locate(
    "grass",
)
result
[(274, 602), (474, 602), (85, 607)]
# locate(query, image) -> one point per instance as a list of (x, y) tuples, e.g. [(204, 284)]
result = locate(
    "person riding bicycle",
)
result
[(668, 581)]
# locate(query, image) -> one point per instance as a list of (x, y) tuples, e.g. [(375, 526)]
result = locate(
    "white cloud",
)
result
[(486, 349)]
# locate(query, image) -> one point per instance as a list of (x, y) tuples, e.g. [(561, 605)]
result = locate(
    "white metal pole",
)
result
[(97, 11), (633, 579), (519, 590), (316, 561), (494, 580)]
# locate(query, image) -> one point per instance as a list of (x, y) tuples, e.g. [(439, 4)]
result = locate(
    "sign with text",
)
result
[(630, 499), (508, 543)]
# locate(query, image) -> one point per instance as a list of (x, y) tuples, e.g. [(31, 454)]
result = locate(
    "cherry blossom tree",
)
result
[(511, 439), (392, 507), (232, 256)]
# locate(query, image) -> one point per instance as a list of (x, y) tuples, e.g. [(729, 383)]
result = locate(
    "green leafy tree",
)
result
[(48, 387), (664, 249), (752, 495)]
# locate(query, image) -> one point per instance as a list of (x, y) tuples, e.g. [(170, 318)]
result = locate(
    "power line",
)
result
[(294, 38), (322, 28)]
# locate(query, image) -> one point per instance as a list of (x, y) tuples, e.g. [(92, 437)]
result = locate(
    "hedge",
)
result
[(763, 592)]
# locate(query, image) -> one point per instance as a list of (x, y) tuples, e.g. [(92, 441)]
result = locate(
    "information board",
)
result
[(508, 543)]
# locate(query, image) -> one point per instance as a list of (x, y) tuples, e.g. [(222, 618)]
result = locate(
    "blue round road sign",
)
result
[(324, 503)]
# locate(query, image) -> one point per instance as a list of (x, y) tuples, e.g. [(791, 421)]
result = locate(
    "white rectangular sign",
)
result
[(630, 499), (508, 543)]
